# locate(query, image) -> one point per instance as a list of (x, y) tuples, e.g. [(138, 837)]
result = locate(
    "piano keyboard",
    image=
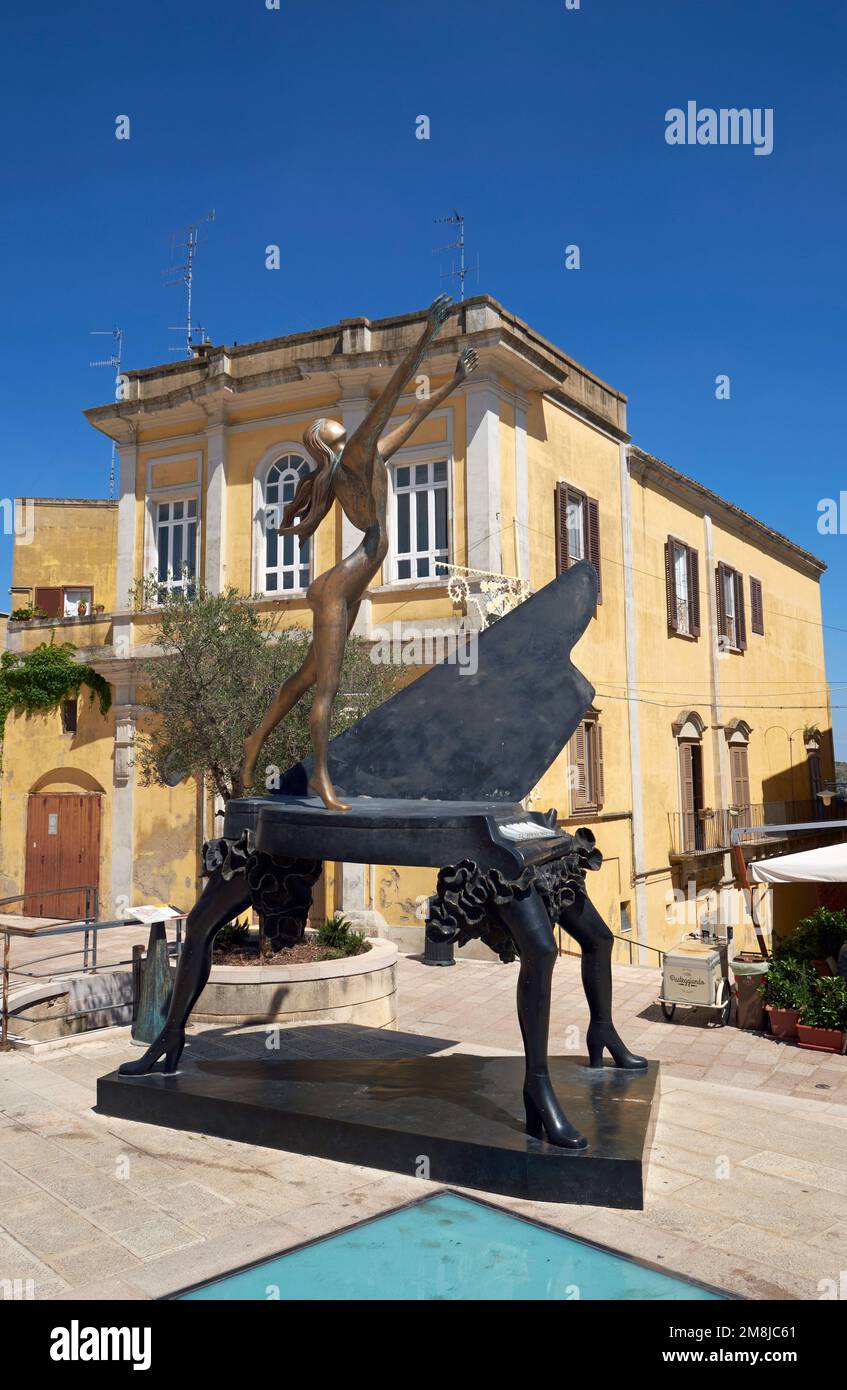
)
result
[(526, 830)]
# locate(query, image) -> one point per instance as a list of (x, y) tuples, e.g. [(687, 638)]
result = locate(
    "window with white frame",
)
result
[(76, 602), (176, 543), (286, 561), (680, 569), (575, 520), (419, 533)]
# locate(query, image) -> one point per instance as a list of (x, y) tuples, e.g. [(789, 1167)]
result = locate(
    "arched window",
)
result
[(812, 744), (738, 739), (285, 561)]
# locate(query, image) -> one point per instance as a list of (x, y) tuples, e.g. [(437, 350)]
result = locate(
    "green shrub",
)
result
[(826, 1006), (788, 983), (337, 934), (233, 936), (816, 937)]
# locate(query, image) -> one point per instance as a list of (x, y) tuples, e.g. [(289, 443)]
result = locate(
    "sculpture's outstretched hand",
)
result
[(439, 312), (468, 362)]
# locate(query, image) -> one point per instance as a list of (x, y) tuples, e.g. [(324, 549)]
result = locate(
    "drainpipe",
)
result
[(631, 619)]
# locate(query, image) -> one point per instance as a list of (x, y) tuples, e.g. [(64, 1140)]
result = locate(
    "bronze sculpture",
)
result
[(436, 776), (354, 472)]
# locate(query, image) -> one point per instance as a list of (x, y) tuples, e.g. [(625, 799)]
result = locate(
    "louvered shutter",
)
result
[(561, 527), (599, 781), (686, 770), (693, 592), (592, 536), (670, 586), (719, 587), (740, 613), (739, 769), (579, 789), (757, 607)]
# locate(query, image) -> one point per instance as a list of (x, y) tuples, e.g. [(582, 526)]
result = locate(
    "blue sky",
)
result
[(547, 129)]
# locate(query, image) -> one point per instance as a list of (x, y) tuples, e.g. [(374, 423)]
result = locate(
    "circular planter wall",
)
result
[(358, 989)]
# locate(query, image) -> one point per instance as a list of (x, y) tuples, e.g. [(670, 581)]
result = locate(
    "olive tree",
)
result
[(220, 661)]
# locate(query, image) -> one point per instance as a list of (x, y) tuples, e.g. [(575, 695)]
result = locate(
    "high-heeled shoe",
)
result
[(605, 1035), (166, 1045), (544, 1115)]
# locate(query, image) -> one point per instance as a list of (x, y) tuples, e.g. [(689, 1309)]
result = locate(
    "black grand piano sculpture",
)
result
[(435, 776)]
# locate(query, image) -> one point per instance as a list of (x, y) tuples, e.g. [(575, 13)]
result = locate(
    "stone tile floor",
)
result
[(747, 1186)]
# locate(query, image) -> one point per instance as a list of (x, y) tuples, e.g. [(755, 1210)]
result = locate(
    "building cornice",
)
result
[(351, 351), (648, 469)]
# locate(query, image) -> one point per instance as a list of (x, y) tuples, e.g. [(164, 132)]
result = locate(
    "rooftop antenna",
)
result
[(457, 220), (183, 273), (115, 362)]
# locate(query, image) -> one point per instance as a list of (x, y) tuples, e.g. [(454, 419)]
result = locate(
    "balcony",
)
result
[(693, 834)]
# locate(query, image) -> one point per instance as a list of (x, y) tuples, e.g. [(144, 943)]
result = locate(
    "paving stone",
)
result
[(158, 1235), (799, 1170), (791, 1257), (211, 1259), (19, 1265), (96, 1260), (666, 1180)]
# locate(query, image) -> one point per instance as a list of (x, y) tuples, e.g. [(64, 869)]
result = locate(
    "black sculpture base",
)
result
[(461, 1116)]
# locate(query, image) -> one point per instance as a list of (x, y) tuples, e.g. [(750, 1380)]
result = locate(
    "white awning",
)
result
[(825, 865)]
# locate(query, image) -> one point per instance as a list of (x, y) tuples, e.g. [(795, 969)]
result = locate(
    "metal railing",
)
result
[(710, 831), (90, 928)]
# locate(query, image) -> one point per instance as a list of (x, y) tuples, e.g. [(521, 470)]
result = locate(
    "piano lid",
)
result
[(459, 734)]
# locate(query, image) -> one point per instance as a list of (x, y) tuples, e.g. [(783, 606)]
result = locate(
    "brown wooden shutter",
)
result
[(561, 527), (686, 780), (592, 536), (51, 600), (740, 612), (693, 592), (757, 608), (739, 769), (670, 587), (719, 582), (579, 788), (599, 781)]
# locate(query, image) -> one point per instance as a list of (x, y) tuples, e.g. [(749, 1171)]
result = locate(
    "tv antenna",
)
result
[(114, 362), (183, 273), (457, 220)]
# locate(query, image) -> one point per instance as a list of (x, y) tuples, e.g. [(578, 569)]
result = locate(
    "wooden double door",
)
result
[(62, 851)]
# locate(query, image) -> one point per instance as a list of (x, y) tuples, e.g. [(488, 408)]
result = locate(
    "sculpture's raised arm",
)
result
[(396, 438), (363, 441)]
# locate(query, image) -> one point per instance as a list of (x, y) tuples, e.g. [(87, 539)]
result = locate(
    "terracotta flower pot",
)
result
[(783, 1022), (820, 1039)]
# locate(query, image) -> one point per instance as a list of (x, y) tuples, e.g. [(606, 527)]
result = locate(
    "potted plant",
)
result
[(824, 1015), (785, 989), (27, 615), (82, 608), (817, 938)]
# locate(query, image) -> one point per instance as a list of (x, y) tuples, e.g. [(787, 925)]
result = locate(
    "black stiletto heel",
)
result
[(604, 1035), (534, 1122), (549, 1119), (164, 1046)]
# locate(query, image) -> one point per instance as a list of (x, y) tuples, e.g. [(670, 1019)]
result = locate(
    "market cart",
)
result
[(695, 975)]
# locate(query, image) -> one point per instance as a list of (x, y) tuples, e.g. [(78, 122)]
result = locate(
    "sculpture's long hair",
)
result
[(314, 495)]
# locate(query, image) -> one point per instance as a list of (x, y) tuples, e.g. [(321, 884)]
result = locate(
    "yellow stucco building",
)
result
[(706, 651)]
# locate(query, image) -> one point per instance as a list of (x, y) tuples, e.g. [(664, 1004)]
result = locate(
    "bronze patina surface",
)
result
[(354, 472)]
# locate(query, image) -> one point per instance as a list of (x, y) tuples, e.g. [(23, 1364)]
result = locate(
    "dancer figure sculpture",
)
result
[(354, 472)]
